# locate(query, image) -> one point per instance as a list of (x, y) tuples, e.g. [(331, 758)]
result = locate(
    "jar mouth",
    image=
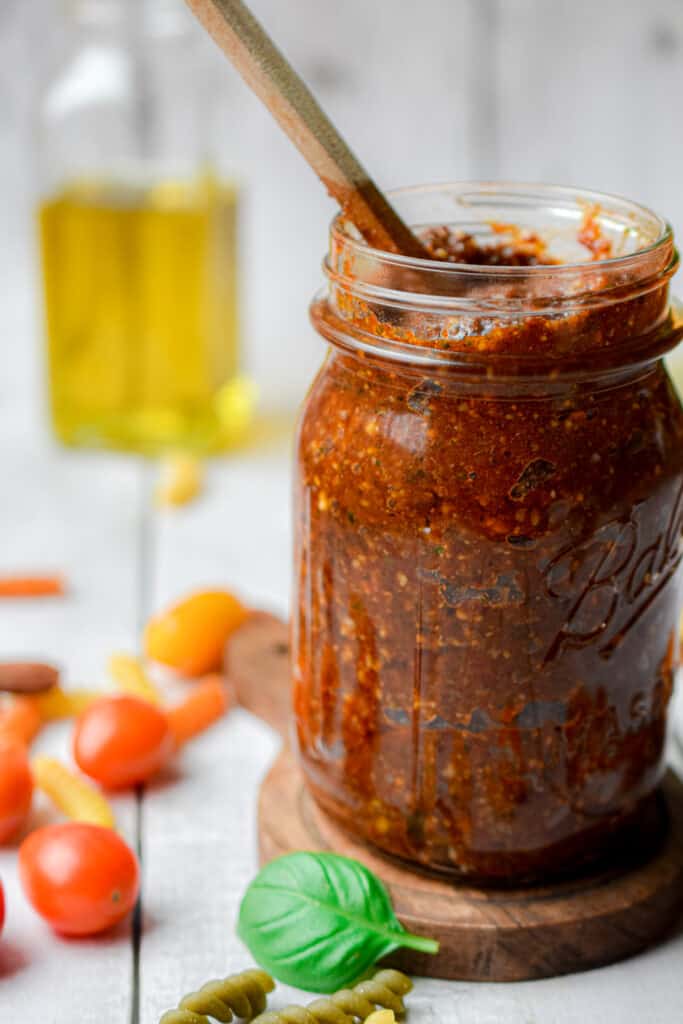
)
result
[(635, 229), (524, 319)]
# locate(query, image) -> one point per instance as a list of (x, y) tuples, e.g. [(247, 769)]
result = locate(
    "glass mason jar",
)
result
[(489, 503), (138, 234)]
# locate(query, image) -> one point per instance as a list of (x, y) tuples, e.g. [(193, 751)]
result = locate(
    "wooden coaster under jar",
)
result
[(486, 934)]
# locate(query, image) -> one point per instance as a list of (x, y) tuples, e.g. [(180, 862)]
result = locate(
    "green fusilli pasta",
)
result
[(241, 995), (385, 989)]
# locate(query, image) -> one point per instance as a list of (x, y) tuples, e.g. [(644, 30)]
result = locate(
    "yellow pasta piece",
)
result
[(71, 793), (57, 703), (181, 478), (129, 675), (382, 1017)]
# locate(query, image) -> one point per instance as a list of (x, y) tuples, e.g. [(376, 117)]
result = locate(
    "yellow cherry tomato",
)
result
[(190, 636)]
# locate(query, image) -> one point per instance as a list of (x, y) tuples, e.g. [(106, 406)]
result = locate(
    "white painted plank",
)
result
[(588, 94), (199, 828), (238, 534), (77, 514), (199, 855)]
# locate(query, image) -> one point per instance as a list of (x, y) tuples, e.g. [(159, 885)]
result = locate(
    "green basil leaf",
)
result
[(318, 921)]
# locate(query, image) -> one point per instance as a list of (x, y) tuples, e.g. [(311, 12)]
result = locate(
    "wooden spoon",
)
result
[(290, 101)]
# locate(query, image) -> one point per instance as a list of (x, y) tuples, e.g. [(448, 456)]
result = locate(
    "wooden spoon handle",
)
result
[(268, 73)]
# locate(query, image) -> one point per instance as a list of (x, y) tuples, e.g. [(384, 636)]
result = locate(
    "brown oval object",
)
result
[(256, 663), (27, 677)]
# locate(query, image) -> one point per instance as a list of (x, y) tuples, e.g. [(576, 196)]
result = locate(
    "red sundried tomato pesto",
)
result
[(488, 552)]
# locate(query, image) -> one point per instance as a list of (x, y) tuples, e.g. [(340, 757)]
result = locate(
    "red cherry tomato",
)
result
[(16, 787), (81, 879), (121, 741)]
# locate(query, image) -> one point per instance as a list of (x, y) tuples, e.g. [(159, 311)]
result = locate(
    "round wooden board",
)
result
[(485, 934)]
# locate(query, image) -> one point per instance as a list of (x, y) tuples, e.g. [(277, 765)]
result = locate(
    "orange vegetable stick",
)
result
[(207, 703), (31, 586), (20, 719)]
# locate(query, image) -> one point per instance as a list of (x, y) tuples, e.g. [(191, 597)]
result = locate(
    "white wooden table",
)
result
[(91, 516)]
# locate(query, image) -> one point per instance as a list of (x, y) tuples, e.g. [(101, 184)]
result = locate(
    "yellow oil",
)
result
[(142, 320)]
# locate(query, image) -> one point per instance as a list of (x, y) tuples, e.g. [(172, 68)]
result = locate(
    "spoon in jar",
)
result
[(269, 74)]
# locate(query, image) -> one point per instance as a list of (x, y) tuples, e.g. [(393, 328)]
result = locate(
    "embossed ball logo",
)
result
[(613, 578)]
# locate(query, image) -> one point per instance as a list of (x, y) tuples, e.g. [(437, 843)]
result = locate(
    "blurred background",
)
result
[(581, 92)]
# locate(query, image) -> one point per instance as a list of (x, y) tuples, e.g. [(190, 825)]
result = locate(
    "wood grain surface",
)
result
[(259, 653)]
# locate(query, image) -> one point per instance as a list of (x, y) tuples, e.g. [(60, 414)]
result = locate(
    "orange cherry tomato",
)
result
[(190, 636), (20, 719), (81, 879), (16, 787), (121, 741)]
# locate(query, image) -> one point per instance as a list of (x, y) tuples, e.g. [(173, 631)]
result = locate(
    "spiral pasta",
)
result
[(385, 989), (241, 995)]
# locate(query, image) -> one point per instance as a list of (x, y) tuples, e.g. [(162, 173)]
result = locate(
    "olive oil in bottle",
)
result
[(141, 314)]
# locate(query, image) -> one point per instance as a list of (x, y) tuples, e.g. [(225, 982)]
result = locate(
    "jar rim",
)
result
[(467, 192), (433, 311)]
